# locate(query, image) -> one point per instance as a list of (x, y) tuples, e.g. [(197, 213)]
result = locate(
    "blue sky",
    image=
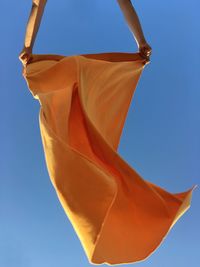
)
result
[(160, 137)]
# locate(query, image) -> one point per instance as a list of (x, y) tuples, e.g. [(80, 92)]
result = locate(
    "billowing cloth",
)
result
[(117, 215)]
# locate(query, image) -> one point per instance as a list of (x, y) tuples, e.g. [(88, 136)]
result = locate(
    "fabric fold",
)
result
[(118, 216)]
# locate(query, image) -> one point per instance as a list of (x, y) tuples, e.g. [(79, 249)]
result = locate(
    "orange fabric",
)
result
[(84, 99)]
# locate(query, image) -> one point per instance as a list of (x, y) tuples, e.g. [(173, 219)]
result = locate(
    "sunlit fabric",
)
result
[(84, 99)]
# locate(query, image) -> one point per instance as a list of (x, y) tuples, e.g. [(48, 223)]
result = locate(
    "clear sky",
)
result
[(160, 138)]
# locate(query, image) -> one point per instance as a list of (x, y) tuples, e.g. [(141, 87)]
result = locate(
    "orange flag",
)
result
[(117, 215)]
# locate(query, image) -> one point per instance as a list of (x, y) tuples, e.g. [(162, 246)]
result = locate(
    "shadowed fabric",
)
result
[(84, 99)]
